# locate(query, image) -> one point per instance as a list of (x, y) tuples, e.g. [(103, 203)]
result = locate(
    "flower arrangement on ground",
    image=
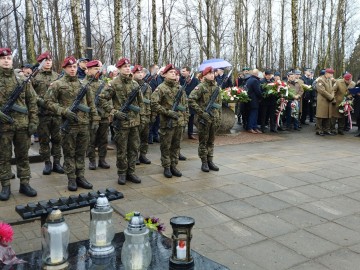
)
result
[(234, 94), (7, 254), (346, 107), (152, 223)]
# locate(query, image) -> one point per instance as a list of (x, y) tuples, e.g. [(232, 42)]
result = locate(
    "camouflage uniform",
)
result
[(162, 100), (127, 137), (16, 134), (60, 96), (198, 100), (99, 136), (49, 123)]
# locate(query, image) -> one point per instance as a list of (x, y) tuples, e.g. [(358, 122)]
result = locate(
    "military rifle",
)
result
[(76, 106), (128, 106), (225, 79), (144, 87), (211, 105), (10, 104)]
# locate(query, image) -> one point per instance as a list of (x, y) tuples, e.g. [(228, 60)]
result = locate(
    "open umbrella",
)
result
[(214, 63)]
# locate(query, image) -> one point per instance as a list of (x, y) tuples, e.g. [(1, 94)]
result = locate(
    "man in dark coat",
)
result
[(254, 93), (222, 80), (308, 98), (82, 68), (268, 104)]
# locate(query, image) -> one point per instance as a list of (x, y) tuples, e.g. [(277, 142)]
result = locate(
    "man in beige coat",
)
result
[(340, 91), (325, 99)]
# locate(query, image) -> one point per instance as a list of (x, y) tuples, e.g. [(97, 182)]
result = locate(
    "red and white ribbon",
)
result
[(281, 108)]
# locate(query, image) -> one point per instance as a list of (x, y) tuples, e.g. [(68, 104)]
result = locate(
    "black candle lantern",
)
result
[(181, 237)]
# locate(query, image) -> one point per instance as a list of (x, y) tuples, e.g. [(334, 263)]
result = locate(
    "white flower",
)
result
[(232, 98)]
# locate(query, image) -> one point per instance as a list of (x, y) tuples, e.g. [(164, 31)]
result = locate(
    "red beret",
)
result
[(347, 76), (70, 60), (5, 51), (93, 63), (137, 68), (122, 62), (329, 70), (45, 55), (168, 67), (207, 70)]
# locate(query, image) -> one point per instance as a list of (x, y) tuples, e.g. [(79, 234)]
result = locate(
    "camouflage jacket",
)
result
[(115, 95), (61, 95), (41, 84), (162, 100), (27, 99), (146, 99), (94, 86), (200, 97)]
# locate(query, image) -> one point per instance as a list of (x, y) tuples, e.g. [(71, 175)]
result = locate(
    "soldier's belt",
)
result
[(180, 108), (84, 108), (134, 108), (19, 109), (216, 106), (146, 101)]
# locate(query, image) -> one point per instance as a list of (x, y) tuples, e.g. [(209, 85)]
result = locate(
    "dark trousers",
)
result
[(307, 110), (253, 117), (191, 124), (268, 111)]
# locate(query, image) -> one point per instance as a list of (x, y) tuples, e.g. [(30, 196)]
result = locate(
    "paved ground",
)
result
[(292, 203)]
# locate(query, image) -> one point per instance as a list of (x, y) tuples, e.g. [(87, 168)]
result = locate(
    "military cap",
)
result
[(207, 70), (93, 63), (168, 68), (137, 68), (297, 72), (246, 68), (329, 70), (28, 66), (122, 62), (5, 51), (45, 55), (70, 60), (322, 72), (290, 73), (277, 73), (268, 72), (347, 76), (83, 59)]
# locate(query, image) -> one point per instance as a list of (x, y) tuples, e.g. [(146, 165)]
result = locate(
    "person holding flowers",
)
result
[(255, 94), (268, 104)]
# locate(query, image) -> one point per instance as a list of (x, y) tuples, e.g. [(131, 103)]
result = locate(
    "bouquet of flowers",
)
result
[(7, 254), (277, 88), (306, 87), (152, 223), (346, 107), (234, 94)]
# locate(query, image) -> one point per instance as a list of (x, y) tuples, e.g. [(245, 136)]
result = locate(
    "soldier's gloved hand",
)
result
[(172, 114), (32, 129), (206, 116), (3, 118), (40, 102), (94, 125), (70, 115), (120, 115)]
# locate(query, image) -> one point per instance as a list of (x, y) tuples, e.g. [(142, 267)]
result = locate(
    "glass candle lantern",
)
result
[(55, 239), (101, 228), (181, 238), (136, 252)]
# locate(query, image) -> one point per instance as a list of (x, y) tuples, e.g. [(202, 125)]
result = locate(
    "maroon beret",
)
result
[(207, 70), (45, 55), (5, 51), (168, 67), (347, 76), (70, 60), (122, 62), (329, 70), (93, 63), (137, 68)]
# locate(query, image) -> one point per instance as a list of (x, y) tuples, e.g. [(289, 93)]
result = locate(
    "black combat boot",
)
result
[(175, 171), (103, 164), (182, 157), (212, 166), (137, 162), (57, 167), (144, 159), (205, 167), (133, 178), (5, 193), (122, 179), (92, 165), (47, 170), (82, 182), (167, 172), (27, 190), (72, 186)]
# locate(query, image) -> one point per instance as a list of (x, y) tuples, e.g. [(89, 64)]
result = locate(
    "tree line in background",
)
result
[(276, 34)]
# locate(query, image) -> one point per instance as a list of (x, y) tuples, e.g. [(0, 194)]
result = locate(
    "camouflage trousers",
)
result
[(144, 137), (127, 147), (170, 139), (74, 146), (49, 131), (206, 140), (99, 139), (21, 141)]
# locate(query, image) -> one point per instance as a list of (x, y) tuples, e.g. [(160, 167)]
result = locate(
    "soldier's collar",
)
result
[(125, 78), (7, 72), (169, 82), (209, 82), (70, 78)]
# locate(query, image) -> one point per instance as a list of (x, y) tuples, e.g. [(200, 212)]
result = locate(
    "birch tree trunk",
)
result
[(165, 55), (60, 42), (282, 51), (45, 40), (201, 40), (117, 29), (208, 29), (295, 30), (18, 38), (29, 33), (138, 32), (154, 33), (75, 11)]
